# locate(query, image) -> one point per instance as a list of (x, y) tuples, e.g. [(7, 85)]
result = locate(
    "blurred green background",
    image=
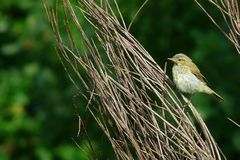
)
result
[(37, 100)]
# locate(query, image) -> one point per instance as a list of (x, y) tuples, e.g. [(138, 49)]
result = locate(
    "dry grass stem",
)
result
[(128, 94), (229, 10)]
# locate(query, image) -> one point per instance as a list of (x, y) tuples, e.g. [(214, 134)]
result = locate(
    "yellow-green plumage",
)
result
[(188, 77)]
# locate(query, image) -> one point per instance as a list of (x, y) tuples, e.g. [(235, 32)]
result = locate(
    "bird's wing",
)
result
[(194, 69)]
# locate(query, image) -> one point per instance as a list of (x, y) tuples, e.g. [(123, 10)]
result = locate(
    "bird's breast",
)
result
[(185, 80)]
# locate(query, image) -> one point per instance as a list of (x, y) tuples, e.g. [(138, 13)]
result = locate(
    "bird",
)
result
[(188, 78)]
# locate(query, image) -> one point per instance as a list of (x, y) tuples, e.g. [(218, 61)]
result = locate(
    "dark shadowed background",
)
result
[(38, 101)]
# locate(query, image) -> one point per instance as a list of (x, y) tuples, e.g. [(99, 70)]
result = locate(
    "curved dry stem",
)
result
[(229, 10)]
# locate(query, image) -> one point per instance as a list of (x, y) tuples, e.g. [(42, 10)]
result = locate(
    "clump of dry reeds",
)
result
[(129, 94), (229, 10)]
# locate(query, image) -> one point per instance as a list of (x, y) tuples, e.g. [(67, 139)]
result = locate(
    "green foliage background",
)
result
[(37, 113)]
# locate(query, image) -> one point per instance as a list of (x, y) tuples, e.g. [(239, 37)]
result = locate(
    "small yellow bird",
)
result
[(188, 77)]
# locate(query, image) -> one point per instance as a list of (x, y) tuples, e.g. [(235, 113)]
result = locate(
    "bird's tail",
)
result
[(208, 90), (217, 96)]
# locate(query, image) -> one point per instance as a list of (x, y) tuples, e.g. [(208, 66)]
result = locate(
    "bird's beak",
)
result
[(172, 59)]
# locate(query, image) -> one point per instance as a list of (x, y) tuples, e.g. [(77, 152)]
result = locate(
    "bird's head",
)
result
[(180, 59)]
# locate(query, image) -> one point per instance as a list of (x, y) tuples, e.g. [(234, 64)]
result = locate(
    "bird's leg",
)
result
[(187, 100)]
